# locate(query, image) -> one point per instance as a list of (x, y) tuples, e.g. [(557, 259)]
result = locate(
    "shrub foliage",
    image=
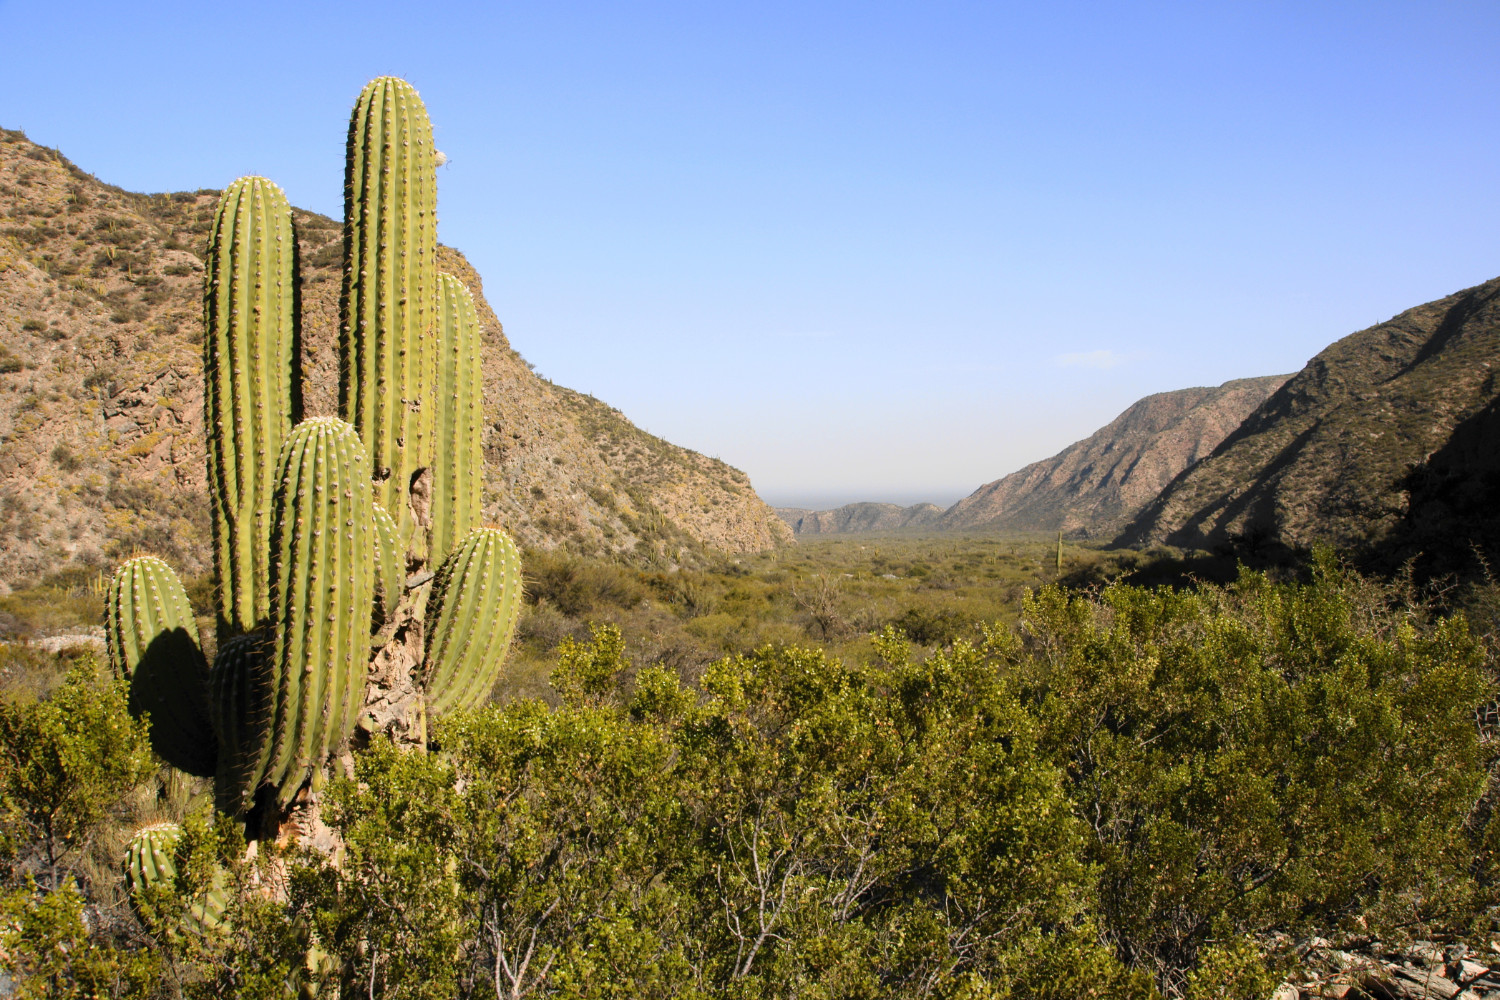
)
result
[(1130, 793)]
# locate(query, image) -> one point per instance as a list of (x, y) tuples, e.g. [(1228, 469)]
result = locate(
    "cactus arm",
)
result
[(152, 639), (458, 460), (390, 563), (249, 359), (323, 593), (477, 598), (241, 701), (387, 344), (150, 863)]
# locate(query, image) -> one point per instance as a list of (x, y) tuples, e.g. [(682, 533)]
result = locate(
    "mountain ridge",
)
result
[(1094, 485), (1382, 439)]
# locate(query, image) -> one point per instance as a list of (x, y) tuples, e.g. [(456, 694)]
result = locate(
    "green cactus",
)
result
[(152, 639), (458, 464), (301, 548), (390, 565), (476, 599), (241, 696), (151, 863), (388, 343), (322, 591), (250, 396)]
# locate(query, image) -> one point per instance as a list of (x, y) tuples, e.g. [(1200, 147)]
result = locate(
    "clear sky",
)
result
[(862, 250)]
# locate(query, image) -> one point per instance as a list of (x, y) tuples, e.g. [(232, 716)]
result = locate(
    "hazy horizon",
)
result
[(851, 247)]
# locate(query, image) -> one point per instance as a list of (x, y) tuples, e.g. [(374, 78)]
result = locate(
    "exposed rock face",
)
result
[(854, 517), (1384, 443), (1093, 486), (101, 397)]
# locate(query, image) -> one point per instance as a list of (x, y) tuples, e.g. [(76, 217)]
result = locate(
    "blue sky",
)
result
[(883, 251)]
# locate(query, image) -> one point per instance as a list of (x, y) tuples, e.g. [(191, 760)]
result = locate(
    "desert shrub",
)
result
[(579, 587), (1259, 757)]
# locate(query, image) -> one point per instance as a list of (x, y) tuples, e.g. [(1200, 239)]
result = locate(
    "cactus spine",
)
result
[(150, 863), (322, 591), (152, 639), (249, 353), (477, 597), (388, 347), (241, 701), (458, 469)]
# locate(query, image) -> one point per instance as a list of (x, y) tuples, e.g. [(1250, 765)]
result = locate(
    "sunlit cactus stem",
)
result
[(250, 398), (388, 343), (458, 464), (152, 639), (390, 565), (476, 599), (323, 581)]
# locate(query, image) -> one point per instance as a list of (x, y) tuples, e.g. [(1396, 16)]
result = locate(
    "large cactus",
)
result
[(301, 545), (250, 398), (150, 863), (152, 639), (322, 591), (476, 598), (458, 464), (388, 344)]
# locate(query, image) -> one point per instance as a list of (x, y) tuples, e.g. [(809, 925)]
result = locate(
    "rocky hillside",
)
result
[(101, 427), (854, 517), (1385, 443), (1093, 486)]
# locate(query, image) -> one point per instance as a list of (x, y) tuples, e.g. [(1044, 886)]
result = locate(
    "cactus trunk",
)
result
[(249, 401), (388, 343)]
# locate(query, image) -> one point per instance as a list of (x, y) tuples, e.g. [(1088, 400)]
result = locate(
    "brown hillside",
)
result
[(1094, 486), (1376, 446), (859, 517), (101, 436)]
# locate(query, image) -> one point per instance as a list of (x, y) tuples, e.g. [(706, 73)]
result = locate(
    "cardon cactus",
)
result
[(250, 396), (152, 639), (302, 546), (150, 863), (458, 465), (388, 345), (241, 700), (322, 592), (476, 598)]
